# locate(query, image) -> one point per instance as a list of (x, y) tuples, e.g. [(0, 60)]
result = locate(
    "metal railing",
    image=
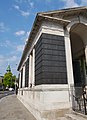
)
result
[(79, 99)]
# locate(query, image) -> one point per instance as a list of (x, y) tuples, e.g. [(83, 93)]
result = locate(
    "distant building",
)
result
[(1, 82), (54, 63)]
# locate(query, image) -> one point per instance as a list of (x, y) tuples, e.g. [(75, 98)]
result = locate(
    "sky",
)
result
[(16, 20)]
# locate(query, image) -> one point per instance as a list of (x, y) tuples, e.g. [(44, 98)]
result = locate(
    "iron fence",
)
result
[(79, 99)]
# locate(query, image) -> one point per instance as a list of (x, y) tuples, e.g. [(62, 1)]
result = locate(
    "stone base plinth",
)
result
[(46, 102)]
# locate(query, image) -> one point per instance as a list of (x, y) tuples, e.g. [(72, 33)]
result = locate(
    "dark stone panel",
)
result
[(39, 43), (53, 47), (50, 60), (38, 71), (50, 81), (53, 57), (39, 77), (21, 78), (53, 69), (38, 65), (56, 63), (38, 81), (53, 81), (54, 75), (39, 60), (52, 37), (39, 46), (38, 57), (53, 52), (53, 42), (27, 73), (38, 50), (38, 54)]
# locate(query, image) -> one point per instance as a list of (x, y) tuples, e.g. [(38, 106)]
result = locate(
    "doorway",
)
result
[(78, 54), (79, 93)]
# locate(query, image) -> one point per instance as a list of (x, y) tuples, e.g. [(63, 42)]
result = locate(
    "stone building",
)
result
[(54, 59), (8, 69)]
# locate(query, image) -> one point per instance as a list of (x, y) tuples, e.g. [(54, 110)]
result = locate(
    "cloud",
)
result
[(22, 12), (16, 7), (20, 48), (27, 2), (31, 4), (24, 37), (25, 14), (20, 33), (83, 2), (3, 27), (6, 43), (70, 3), (12, 58)]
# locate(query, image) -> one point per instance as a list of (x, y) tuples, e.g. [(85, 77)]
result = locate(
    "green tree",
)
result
[(9, 79)]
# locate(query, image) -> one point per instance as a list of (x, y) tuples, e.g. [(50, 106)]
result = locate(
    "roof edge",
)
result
[(62, 10)]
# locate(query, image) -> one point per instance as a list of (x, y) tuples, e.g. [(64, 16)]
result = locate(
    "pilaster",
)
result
[(68, 59), (23, 83), (33, 68), (30, 70), (86, 54)]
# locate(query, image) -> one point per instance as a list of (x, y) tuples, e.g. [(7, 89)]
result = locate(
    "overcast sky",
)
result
[(16, 19)]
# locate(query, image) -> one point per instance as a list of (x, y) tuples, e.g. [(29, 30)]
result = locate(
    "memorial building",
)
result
[(54, 62)]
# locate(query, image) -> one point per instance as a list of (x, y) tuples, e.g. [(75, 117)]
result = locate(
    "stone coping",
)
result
[(43, 88)]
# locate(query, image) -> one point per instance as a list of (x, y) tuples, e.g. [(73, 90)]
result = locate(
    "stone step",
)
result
[(73, 116), (62, 118)]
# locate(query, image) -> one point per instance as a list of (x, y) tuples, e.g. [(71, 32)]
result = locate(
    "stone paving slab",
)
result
[(12, 109)]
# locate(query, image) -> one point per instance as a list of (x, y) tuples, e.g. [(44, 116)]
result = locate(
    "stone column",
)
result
[(23, 83), (86, 53), (33, 68), (86, 60), (68, 58), (69, 65)]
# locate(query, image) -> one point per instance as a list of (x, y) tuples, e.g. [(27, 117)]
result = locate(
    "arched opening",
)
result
[(78, 34)]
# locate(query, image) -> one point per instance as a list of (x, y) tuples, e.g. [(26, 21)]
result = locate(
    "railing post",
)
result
[(84, 102)]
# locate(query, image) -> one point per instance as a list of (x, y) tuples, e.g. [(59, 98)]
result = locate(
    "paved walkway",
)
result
[(12, 109)]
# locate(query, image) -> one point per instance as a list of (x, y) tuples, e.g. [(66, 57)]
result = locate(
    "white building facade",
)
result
[(54, 59)]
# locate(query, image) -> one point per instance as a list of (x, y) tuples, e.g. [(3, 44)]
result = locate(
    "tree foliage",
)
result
[(9, 79)]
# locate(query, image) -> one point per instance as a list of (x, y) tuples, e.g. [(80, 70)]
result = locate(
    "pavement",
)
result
[(12, 109)]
